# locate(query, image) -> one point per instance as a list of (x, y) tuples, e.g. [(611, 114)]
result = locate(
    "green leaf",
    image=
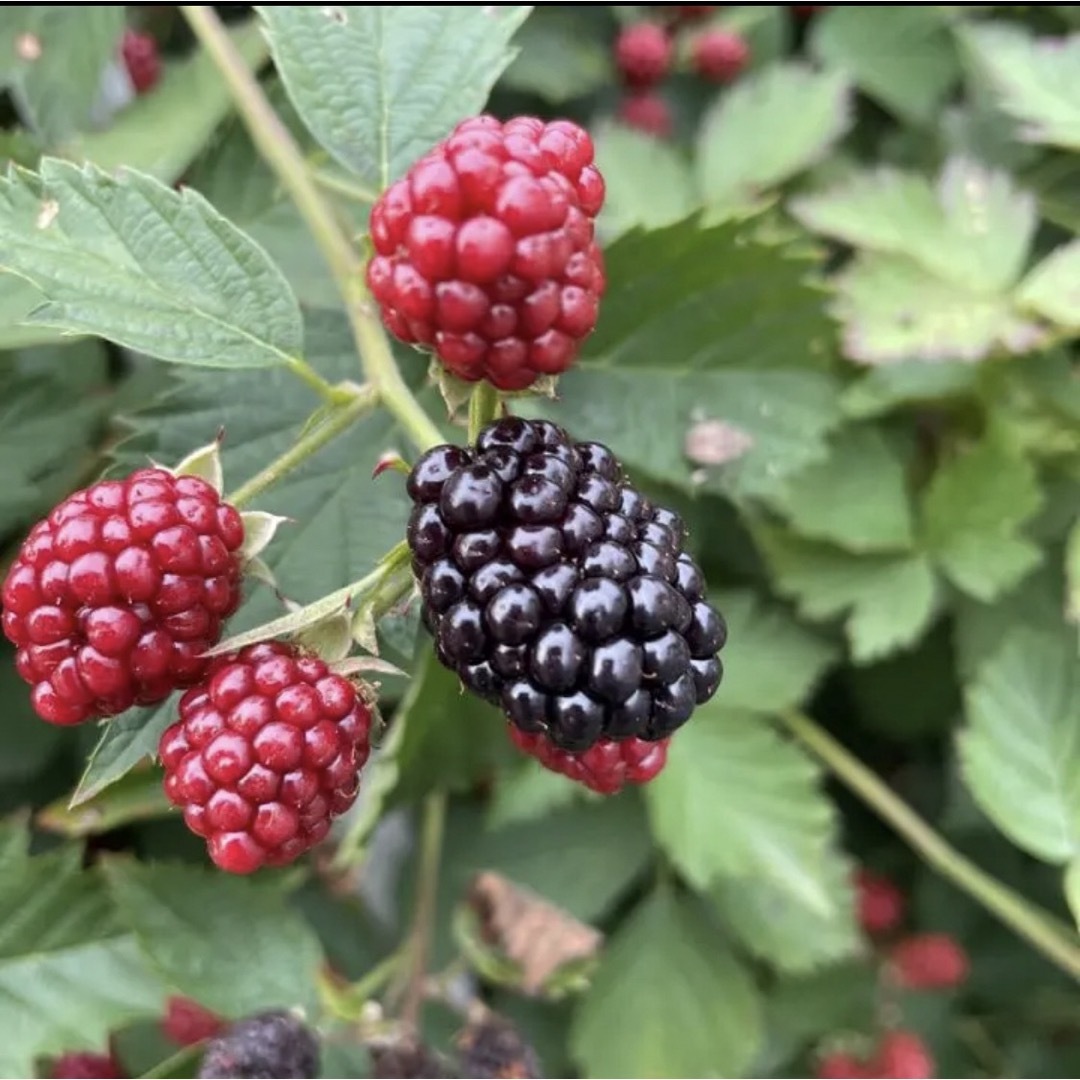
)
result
[(768, 127), (786, 933), (771, 662), (1034, 78), (648, 184), (527, 792), (887, 602), (231, 943), (1020, 751), (1072, 573), (737, 801), (1051, 289), (28, 743), (893, 310), (189, 102), (150, 268), (125, 741), (1072, 888), (69, 973), (856, 498), (883, 389), (57, 72), (900, 55), (694, 1012), (972, 513), (379, 84), (137, 797)]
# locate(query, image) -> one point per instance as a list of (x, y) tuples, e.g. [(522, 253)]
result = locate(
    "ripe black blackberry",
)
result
[(270, 1044), (556, 590)]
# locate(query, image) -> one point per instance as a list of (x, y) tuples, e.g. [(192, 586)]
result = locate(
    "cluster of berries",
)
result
[(912, 962), (647, 52)]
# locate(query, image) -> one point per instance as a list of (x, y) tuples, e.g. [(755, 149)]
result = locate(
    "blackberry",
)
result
[(493, 1049), (270, 1044), (557, 591)]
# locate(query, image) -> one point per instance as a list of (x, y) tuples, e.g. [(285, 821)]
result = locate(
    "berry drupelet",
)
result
[(271, 1044), (556, 590), (484, 250)]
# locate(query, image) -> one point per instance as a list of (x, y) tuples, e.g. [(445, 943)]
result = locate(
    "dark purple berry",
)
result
[(557, 658), (598, 609), (615, 670), (665, 658), (513, 614), (471, 498), (428, 475), (575, 721)]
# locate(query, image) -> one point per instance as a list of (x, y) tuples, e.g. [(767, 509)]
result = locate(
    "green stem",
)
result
[(1054, 940), (333, 395), (361, 401), (484, 405), (280, 151), (427, 888), (339, 185)]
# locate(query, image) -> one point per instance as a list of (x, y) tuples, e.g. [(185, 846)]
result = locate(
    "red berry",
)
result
[(643, 54), (267, 751), (719, 55), (841, 1066), (86, 1066), (605, 767), (806, 10), (880, 904), (484, 251), (140, 55), (902, 1055), (114, 597), (928, 962), (186, 1022), (648, 113)]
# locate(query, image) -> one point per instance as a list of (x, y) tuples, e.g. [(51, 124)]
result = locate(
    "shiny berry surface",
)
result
[(485, 251), (558, 592), (266, 752), (114, 597)]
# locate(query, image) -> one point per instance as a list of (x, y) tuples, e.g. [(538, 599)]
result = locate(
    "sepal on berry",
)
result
[(259, 530), (330, 638), (205, 463)]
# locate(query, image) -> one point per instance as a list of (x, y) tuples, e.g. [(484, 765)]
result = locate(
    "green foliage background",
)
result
[(839, 336)]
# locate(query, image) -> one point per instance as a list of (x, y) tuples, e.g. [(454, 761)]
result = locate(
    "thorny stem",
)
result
[(280, 151), (1052, 938), (361, 401)]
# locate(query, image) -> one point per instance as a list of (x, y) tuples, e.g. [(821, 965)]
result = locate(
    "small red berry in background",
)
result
[(648, 113), (928, 962), (643, 54), (685, 13), (186, 1022), (485, 251), (604, 768), (902, 1055), (840, 1066), (142, 60), (804, 11), (719, 55), (87, 1066), (879, 904)]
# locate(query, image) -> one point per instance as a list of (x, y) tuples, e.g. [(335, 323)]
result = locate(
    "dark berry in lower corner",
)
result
[(82, 1065), (141, 59), (406, 1059), (648, 113), (606, 767), (266, 752), (719, 55), (493, 1049), (271, 1044), (485, 250), (186, 1022), (557, 591), (113, 599)]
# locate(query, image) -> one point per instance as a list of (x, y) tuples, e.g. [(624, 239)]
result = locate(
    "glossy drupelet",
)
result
[(558, 591)]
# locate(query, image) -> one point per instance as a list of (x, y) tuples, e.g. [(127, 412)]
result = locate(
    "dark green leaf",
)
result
[(136, 797)]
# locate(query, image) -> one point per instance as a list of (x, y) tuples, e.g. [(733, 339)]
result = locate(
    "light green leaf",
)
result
[(788, 934), (17, 299), (973, 510), (647, 183), (1036, 79), (898, 54), (887, 602), (189, 102), (1052, 289), (856, 498), (1072, 573), (58, 55), (232, 943), (1020, 751), (379, 84), (768, 127), (771, 662), (69, 973), (1072, 889), (737, 801), (695, 1012), (883, 389), (150, 268), (528, 792), (894, 310)]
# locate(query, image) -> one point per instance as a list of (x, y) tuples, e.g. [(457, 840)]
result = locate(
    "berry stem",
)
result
[(360, 402), (484, 405), (279, 150), (1040, 929), (340, 185)]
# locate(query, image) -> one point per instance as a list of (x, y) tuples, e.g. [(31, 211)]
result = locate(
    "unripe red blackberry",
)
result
[(266, 752), (902, 1055), (839, 1065), (113, 599), (719, 55), (928, 962), (649, 113), (878, 902), (141, 59), (556, 590), (484, 250), (186, 1022), (272, 1044), (84, 1065), (643, 54), (606, 767)]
